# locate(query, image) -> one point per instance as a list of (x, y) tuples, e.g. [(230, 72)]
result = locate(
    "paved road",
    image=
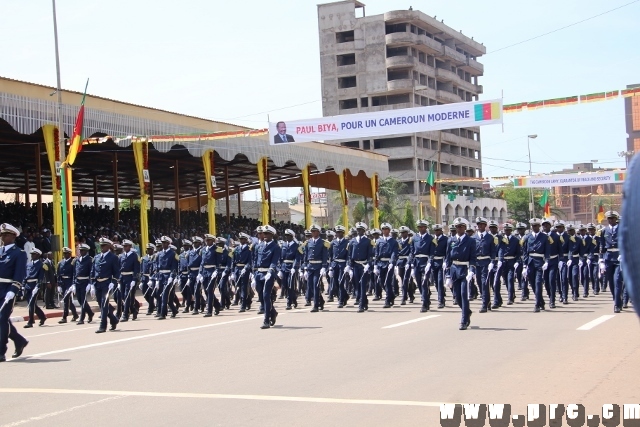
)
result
[(337, 367)]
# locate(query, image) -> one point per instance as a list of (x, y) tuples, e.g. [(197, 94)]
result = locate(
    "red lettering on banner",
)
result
[(329, 127), (304, 129)]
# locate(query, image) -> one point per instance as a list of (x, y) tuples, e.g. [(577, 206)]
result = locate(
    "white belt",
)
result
[(31, 280), (126, 273), (538, 255), (551, 257), (288, 261), (262, 270), (483, 257), (575, 256), (612, 249), (164, 271), (385, 259), (565, 255), (146, 275), (438, 257), (362, 262), (240, 265), (210, 266), (194, 268), (82, 278), (315, 262), (509, 257), (65, 277), (6, 280), (403, 257), (340, 260), (102, 279), (422, 256), (466, 263)]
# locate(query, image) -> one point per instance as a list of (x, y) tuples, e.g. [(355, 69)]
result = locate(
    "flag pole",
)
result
[(58, 87)]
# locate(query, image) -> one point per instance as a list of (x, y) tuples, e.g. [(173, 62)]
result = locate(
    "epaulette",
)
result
[(505, 240), (561, 240), (435, 241), (495, 240), (551, 239), (594, 242), (300, 249), (219, 250), (399, 246), (522, 241), (73, 261), (572, 238), (373, 243), (327, 244), (584, 243), (45, 266), (177, 257)]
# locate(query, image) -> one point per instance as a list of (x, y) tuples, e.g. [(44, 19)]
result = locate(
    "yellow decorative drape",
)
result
[(141, 154), (345, 198), (50, 144), (264, 188), (307, 197), (374, 192), (207, 163)]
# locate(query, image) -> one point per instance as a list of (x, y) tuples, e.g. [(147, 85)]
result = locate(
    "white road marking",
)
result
[(395, 325), (258, 397), (139, 337), (53, 414), (596, 322), (60, 332)]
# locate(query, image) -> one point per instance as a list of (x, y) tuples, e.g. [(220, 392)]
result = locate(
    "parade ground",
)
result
[(382, 367)]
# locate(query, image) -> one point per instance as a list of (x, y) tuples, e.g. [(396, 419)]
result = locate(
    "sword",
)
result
[(34, 293), (6, 301)]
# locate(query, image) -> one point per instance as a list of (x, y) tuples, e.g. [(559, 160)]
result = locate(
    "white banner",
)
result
[(389, 122), (570, 179)]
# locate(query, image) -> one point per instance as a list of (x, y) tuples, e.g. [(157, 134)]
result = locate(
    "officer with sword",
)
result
[(83, 265), (422, 248), (65, 272), (338, 253), (316, 257), (291, 255), (146, 272), (386, 254), (403, 267), (129, 275), (106, 270), (242, 262)]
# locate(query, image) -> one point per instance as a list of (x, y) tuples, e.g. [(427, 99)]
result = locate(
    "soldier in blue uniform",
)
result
[(257, 249), (584, 269), (460, 264), (203, 280), (508, 258), (65, 272), (106, 270), (440, 242), (221, 275), (486, 254), (265, 273), (129, 275), (291, 256), (339, 256), (183, 274), (563, 257), (146, 282), (593, 256), (610, 258), (33, 281), (242, 263), (82, 273), (386, 254), (195, 260), (535, 257), (521, 229), (403, 267), (575, 252), (165, 274), (555, 266), (422, 248), (360, 258), (316, 257), (13, 261)]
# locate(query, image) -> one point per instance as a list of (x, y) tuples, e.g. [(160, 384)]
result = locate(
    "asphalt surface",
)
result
[(383, 367)]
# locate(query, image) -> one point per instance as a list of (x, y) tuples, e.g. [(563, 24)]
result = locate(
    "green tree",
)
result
[(518, 203), (359, 213), (126, 204), (408, 219)]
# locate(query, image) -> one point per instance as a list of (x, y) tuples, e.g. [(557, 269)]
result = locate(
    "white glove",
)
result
[(306, 275), (413, 272), (267, 277), (323, 271), (448, 282), (88, 288), (188, 283), (93, 291), (293, 271), (602, 266), (348, 270), (301, 274), (515, 266), (59, 289), (140, 286), (176, 281), (499, 264), (157, 285), (366, 268), (524, 271), (111, 286), (376, 270), (72, 289), (9, 296), (215, 274), (199, 279), (280, 275), (619, 258), (569, 263), (233, 277), (350, 273), (331, 274), (545, 266), (428, 267), (491, 265), (469, 277), (253, 283), (588, 262), (396, 270), (580, 264), (244, 270)]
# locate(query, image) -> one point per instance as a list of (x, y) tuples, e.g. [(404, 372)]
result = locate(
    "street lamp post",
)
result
[(529, 137)]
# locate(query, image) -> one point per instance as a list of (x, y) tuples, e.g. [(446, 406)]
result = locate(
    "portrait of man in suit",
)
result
[(282, 136)]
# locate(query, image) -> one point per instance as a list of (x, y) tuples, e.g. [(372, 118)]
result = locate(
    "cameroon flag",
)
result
[(544, 203), (431, 181), (76, 138), (600, 211)]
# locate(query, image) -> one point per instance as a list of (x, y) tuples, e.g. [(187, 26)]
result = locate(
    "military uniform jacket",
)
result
[(35, 273), (421, 249), (564, 249), (487, 248), (404, 251), (461, 255), (440, 244), (536, 250), (83, 266), (256, 249), (576, 248), (223, 260), (316, 254), (195, 260), (609, 243), (106, 268), (361, 251), (556, 243), (339, 252), (209, 261), (268, 257), (66, 270), (166, 263), (386, 251), (593, 243), (129, 265), (13, 270), (183, 263), (146, 268), (510, 248), (243, 257), (291, 254)]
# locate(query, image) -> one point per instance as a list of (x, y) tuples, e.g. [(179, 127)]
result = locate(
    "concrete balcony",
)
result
[(457, 57), (446, 75), (445, 96), (349, 92), (428, 92), (402, 61), (346, 47), (401, 39), (432, 46), (467, 85), (400, 85), (346, 70), (449, 137), (473, 67)]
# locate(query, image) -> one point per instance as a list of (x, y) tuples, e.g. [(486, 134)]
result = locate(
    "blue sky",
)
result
[(238, 61)]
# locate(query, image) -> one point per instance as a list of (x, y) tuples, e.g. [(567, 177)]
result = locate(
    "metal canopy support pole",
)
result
[(227, 194), (239, 201), (176, 185), (116, 203), (198, 202), (152, 210), (26, 188), (95, 193), (38, 184), (267, 178)]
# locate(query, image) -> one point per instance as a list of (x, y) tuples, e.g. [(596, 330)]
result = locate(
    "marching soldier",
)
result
[(437, 264), (374, 280), (106, 269), (535, 256), (563, 257), (207, 267), (386, 253), (403, 267), (460, 264), (422, 248), (339, 256), (610, 258), (316, 257), (575, 252), (129, 275), (242, 262), (156, 293), (183, 274), (509, 256), (50, 286), (65, 273), (146, 284), (291, 255), (520, 234), (487, 252), (360, 259), (584, 269), (223, 269), (593, 248), (553, 274), (12, 274), (165, 273), (266, 270), (35, 278), (83, 265)]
